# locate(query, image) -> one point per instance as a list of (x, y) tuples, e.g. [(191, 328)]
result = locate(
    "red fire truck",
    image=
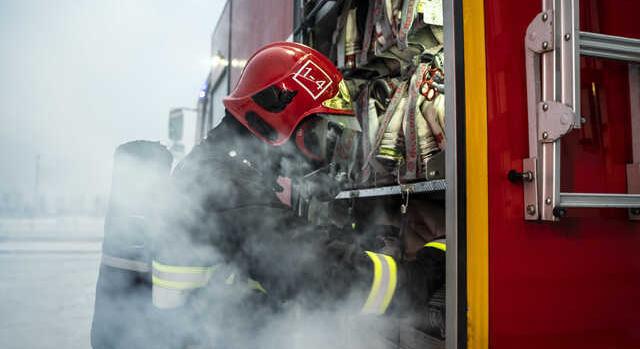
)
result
[(540, 179)]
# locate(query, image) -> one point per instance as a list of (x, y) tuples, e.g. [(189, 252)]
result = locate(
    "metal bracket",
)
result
[(437, 185), (554, 120), (538, 41), (539, 37), (531, 212)]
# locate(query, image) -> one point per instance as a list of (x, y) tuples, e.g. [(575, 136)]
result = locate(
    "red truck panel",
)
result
[(573, 283), (256, 23)]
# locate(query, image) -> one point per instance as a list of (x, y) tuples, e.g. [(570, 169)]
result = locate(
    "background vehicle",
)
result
[(183, 124), (530, 264)]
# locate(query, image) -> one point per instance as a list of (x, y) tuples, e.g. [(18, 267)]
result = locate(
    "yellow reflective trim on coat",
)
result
[(439, 245), (393, 281), (180, 269), (375, 287), (256, 285), (176, 285), (385, 279)]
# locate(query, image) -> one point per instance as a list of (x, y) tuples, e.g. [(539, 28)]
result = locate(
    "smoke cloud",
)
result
[(220, 209)]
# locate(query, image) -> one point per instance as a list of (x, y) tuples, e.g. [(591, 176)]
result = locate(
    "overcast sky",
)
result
[(79, 77)]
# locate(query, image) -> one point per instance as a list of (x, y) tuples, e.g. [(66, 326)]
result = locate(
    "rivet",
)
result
[(545, 135), (545, 107), (545, 45), (545, 17), (531, 210), (567, 36), (547, 201), (583, 120)]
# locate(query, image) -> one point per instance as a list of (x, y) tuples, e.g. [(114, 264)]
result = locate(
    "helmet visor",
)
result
[(319, 137)]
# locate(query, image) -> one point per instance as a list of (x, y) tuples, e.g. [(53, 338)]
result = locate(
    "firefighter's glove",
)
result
[(419, 280), (387, 240), (423, 291), (425, 275)]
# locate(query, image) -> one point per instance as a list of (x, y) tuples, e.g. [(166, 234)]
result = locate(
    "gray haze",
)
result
[(79, 77)]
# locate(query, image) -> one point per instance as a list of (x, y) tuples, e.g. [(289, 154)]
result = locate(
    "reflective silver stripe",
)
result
[(126, 264), (384, 284)]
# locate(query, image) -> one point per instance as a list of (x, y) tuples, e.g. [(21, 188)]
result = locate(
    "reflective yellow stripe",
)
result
[(375, 287), (439, 245), (255, 285), (177, 285), (393, 280), (180, 277), (384, 280), (180, 269)]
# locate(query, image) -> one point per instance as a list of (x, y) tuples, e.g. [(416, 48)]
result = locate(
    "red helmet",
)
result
[(282, 84)]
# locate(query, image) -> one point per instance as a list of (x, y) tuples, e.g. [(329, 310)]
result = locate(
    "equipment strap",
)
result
[(408, 15), (384, 32), (125, 264), (368, 32), (385, 279), (411, 136)]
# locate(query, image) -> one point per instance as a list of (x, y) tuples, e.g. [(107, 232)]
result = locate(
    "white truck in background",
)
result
[(182, 131)]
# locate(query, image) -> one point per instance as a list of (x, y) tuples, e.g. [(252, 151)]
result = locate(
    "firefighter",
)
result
[(232, 252)]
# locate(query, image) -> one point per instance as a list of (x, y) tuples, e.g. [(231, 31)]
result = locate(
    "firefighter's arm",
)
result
[(383, 283)]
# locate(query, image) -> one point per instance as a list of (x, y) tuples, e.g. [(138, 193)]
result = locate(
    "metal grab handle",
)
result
[(538, 40)]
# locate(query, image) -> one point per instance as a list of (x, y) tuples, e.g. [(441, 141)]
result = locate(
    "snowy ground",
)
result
[(48, 270)]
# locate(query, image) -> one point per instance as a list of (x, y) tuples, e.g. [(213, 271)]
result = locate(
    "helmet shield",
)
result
[(318, 137)]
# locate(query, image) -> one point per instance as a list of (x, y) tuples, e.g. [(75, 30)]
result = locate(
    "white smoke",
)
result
[(191, 228)]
